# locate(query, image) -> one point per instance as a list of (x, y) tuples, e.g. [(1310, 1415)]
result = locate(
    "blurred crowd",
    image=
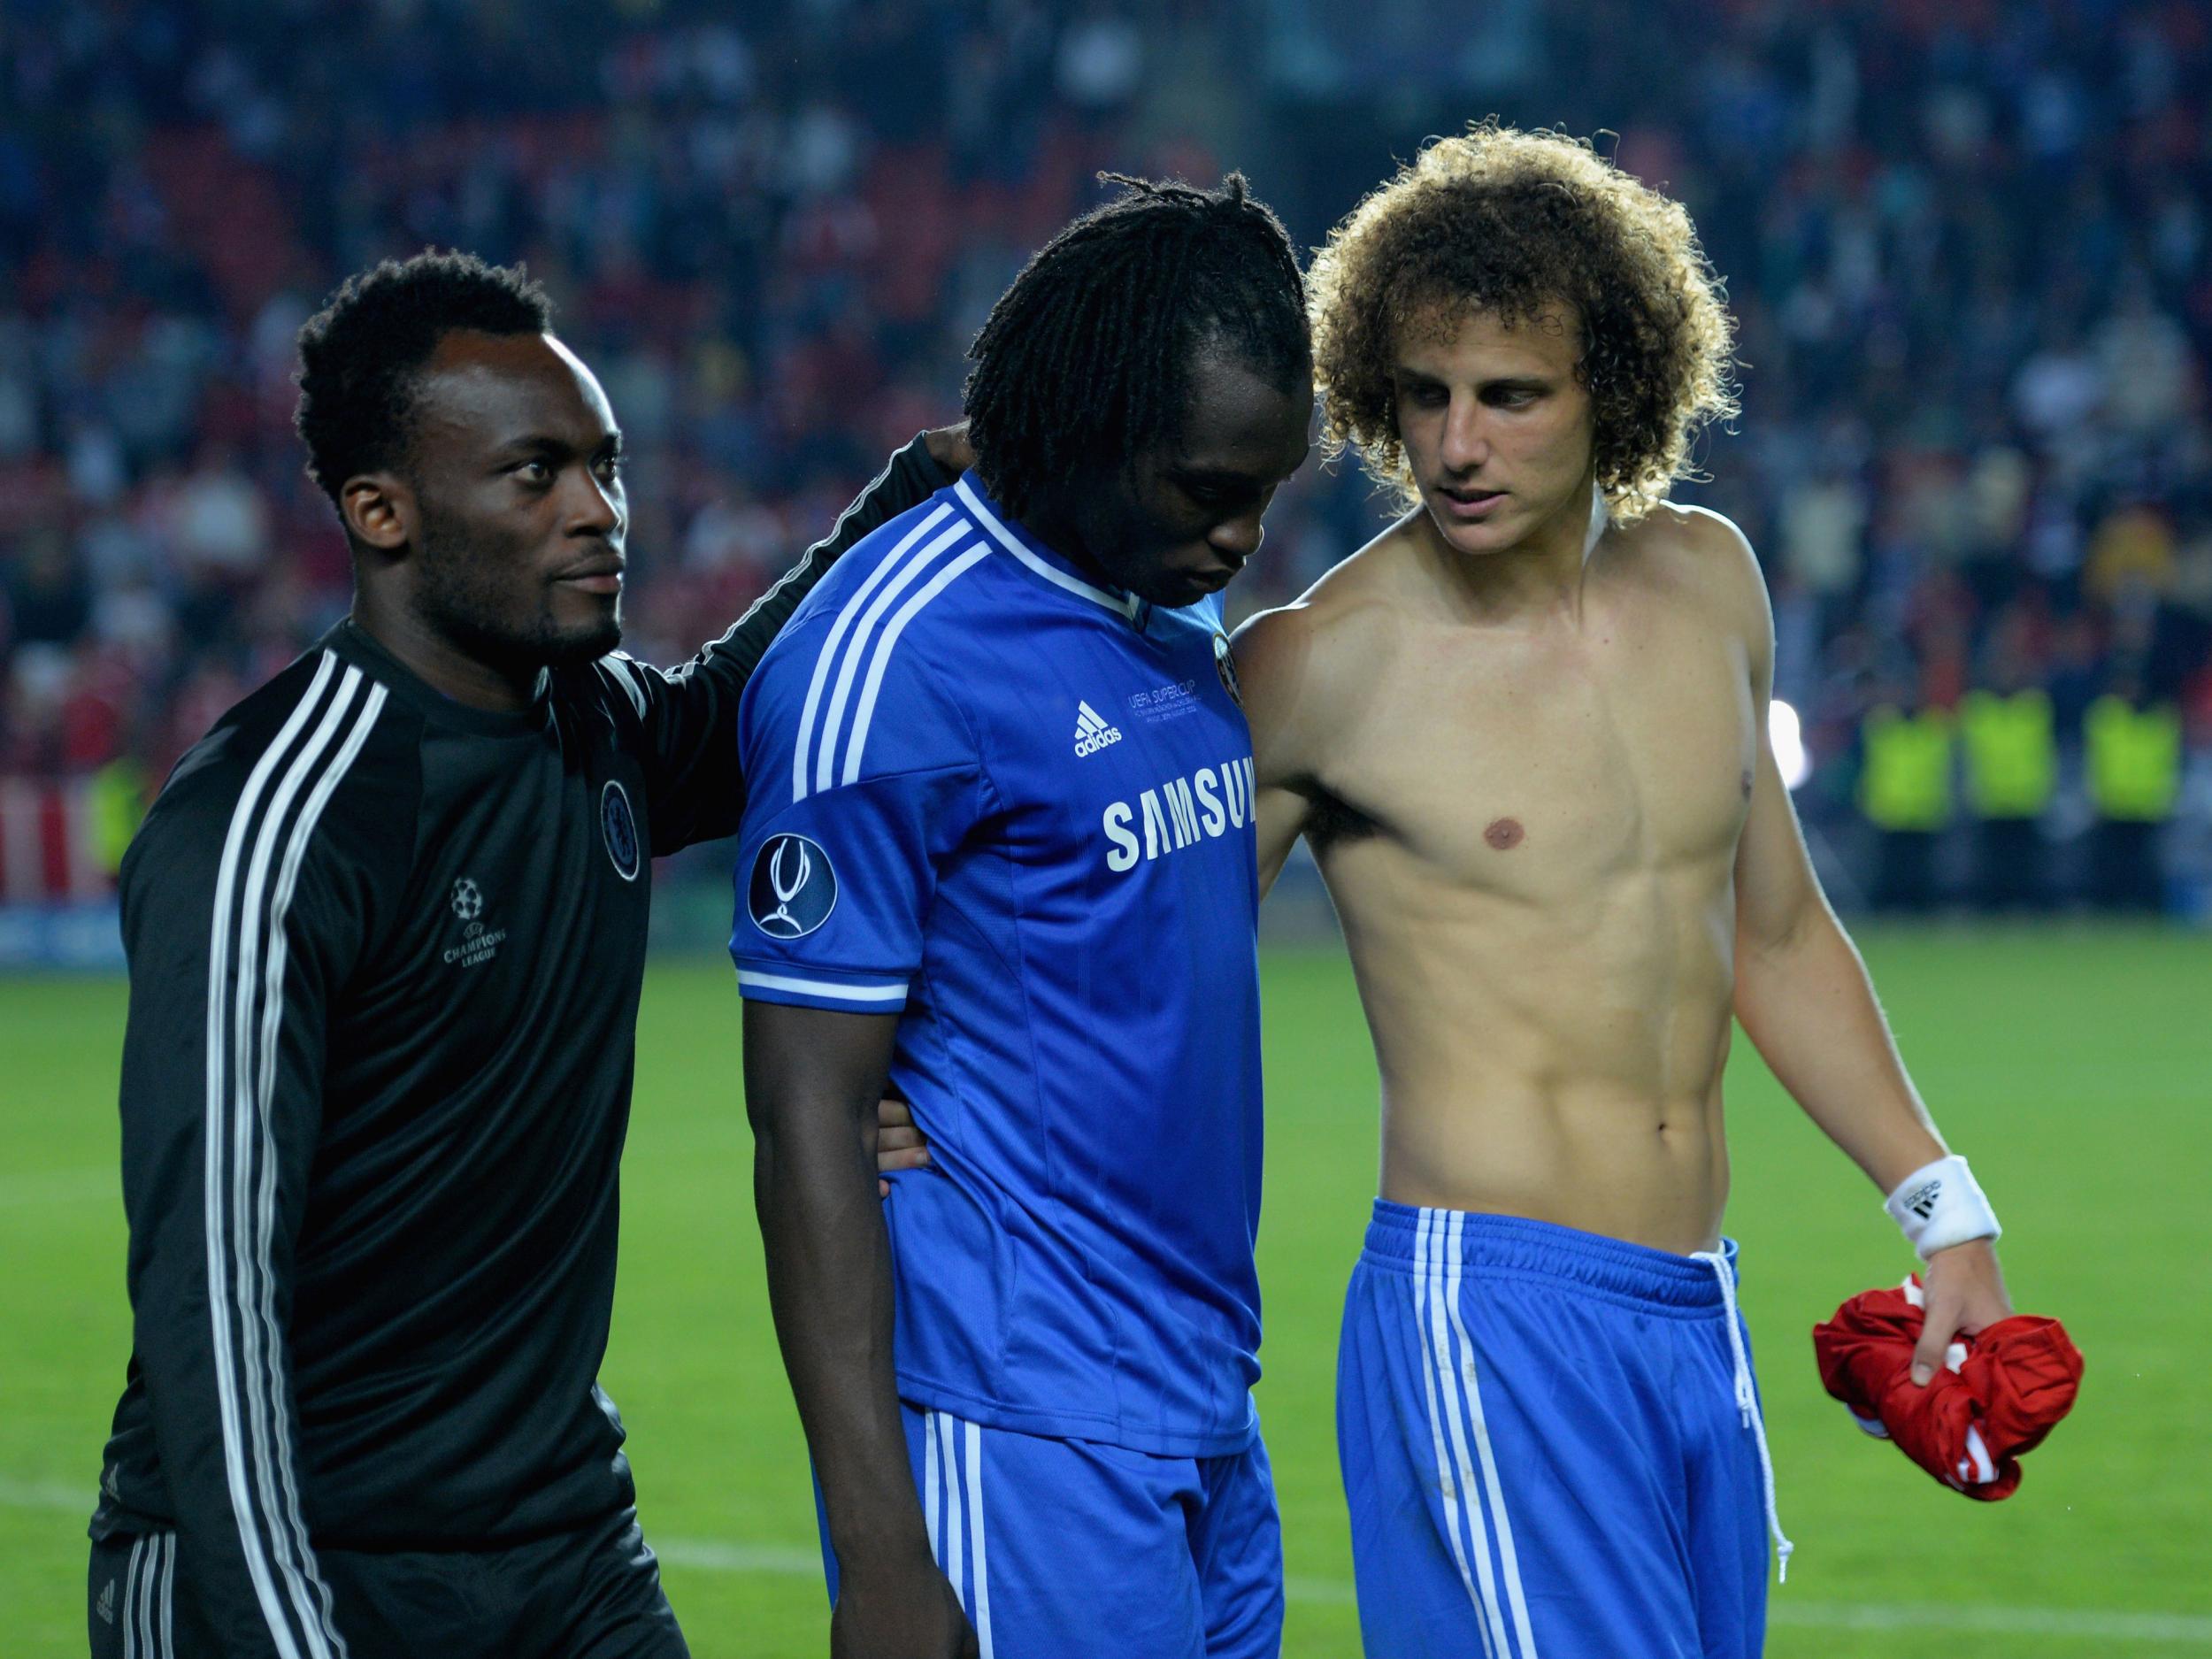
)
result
[(1966, 241)]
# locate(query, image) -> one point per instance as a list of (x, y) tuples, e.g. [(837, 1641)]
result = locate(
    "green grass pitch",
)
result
[(2074, 1066)]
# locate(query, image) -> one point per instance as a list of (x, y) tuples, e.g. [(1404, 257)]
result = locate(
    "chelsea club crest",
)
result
[(1226, 667), (620, 830)]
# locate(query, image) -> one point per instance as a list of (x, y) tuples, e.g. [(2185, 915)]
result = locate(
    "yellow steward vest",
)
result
[(2011, 745), (1906, 783), (2134, 760)]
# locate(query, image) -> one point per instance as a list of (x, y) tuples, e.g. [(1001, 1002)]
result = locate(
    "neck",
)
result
[(1055, 528), (435, 660), (1537, 576)]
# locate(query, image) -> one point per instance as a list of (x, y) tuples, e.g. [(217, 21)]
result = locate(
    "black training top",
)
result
[(385, 955)]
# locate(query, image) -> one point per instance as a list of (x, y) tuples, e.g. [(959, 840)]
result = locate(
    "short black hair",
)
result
[(361, 357), (1091, 349)]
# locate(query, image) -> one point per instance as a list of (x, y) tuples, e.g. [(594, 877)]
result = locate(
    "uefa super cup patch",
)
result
[(619, 829), (793, 889)]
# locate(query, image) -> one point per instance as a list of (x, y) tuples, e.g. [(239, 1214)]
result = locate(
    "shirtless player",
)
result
[(1524, 733)]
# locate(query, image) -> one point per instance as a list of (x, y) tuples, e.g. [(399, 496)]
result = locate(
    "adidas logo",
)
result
[(1923, 1202), (1092, 733), (105, 1606)]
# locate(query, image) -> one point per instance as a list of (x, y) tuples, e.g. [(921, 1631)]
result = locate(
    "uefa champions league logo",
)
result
[(468, 900), (792, 888)]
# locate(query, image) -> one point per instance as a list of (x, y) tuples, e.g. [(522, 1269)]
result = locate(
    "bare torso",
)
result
[(1530, 831)]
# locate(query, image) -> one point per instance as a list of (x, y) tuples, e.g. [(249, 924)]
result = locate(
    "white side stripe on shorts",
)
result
[(1454, 1479), (129, 1614), (954, 1526), (169, 1597), (979, 1610), (1508, 1563), (147, 1582), (245, 1016), (932, 1498), (958, 1542)]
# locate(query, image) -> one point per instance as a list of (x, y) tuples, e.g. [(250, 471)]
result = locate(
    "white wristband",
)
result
[(1942, 1205)]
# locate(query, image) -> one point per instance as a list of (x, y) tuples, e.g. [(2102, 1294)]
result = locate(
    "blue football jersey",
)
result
[(1016, 809)]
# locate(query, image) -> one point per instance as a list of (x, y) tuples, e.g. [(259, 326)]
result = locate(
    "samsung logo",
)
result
[(1179, 813)]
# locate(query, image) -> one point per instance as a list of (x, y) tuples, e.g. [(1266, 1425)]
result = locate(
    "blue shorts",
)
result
[(1062, 1549), (1544, 1446)]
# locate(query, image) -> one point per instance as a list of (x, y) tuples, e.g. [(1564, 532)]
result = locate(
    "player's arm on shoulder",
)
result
[(688, 716), (915, 471), (1285, 659)]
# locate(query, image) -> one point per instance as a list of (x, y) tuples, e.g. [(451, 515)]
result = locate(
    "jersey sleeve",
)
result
[(867, 775), (240, 922), (688, 715)]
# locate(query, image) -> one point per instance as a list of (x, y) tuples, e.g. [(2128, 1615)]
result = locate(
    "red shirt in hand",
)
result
[(1999, 1392)]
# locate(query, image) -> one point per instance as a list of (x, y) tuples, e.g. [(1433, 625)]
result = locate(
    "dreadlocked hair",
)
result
[(1089, 352), (362, 356)]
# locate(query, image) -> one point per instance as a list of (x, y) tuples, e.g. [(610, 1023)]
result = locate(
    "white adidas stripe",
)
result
[(624, 671), (256, 1447), (149, 1624), (956, 1525), (169, 1598), (866, 609), (952, 1508), (849, 670), (932, 1500), (979, 1611), (252, 1133), (218, 1210), (936, 585), (129, 1615), (845, 618), (1455, 1478), (279, 952), (1508, 1561)]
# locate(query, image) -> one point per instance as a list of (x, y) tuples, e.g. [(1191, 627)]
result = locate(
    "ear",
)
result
[(380, 510)]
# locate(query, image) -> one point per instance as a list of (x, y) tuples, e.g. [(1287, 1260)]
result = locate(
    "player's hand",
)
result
[(902, 1611), (1966, 1295), (899, 1144), (948, 447)]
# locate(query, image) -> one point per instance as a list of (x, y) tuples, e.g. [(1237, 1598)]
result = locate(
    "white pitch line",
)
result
[(49, 1494), (794, 1561), (61, 1186), (2094, 1623), (710, 1557)]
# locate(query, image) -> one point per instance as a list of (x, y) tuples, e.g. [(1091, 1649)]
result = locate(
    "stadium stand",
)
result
[(1967, 244)]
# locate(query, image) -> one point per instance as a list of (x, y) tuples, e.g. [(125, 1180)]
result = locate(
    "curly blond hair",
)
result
[(1515, 224)]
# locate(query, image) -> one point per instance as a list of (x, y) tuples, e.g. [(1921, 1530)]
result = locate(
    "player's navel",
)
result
[(1504, 833), (1744, 783)]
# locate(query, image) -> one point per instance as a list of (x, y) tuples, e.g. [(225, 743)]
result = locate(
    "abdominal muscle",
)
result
[(1556, 1056)]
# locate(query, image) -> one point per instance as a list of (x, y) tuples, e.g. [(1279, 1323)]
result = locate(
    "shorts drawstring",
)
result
[(1747, 1400)]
